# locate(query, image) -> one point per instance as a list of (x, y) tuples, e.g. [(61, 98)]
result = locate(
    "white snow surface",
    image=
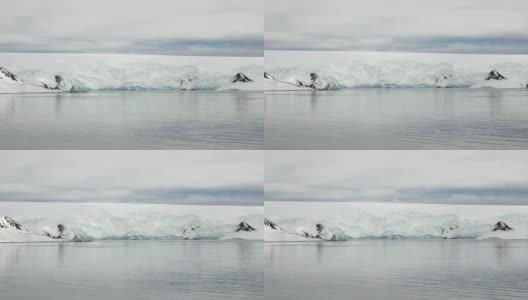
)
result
[(11, 83), (394, 69), (120, 221), (103, 72), (12, 87), (393, 220)]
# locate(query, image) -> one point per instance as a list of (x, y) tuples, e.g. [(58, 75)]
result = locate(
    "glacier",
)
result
[(128, 72), (294, 221), (292, 70), (120, 221)]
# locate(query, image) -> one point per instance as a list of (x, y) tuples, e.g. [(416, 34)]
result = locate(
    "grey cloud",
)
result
[(117, 26), (456, 177), (406, 25), (177, 177)]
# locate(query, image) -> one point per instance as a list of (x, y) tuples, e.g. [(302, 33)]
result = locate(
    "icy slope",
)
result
[(88, 221), (386, 69), (11, 83), (343, 221), (87, 72), (11, 230)]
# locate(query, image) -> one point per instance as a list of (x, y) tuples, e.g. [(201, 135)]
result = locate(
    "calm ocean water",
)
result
[(132, 270), (397, 269), (133, 120), (397, 119)]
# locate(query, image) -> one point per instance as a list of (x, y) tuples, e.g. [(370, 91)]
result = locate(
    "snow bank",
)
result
[(299, 221), (9, 87), (87, 221), (386, 69), (110, 72)]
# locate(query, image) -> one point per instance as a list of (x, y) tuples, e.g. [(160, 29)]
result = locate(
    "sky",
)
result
[(444, 177), (447, 26), (171, 177), (197, 27)]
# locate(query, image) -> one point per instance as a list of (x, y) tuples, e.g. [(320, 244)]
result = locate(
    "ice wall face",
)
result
[(85, 222), (338, 70), (139, 78), (345, 221), (84, 72)]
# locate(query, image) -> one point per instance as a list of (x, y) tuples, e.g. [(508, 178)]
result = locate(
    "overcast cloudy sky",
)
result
[(456, 177), (458, 26), (176, 177), (196, 27)]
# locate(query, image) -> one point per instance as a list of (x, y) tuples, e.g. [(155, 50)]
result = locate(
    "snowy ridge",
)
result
[(338, 70), (11, 83), (345, 221), (12, 231), (97, 221), (8, 223), (119, 72)]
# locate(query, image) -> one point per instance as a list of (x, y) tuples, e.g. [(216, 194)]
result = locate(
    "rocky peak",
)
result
[(271, 225), (241, 77), (495, 75), (5, 73), (501, 226), (268, 76), (243, 226), (8, 223)]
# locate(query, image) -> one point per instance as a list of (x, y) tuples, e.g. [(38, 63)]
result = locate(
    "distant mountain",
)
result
[(8, 223), (347, 221), (495, 75), (268, 76), (341, 70), (243, 226), (241, 77), (271, 225), (8, 75), (501, 226)]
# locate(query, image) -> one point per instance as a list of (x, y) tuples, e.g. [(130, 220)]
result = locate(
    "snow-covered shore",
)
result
[(111, 72), (337, 70), (92, 221), (343, 221)]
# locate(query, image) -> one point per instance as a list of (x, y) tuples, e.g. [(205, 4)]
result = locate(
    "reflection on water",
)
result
[(142, 120), (132, 270), (397, 119), (397, 269)]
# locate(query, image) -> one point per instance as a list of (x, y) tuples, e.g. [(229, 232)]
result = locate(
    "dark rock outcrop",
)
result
[(323, 234), (243, 226), (241, 77), (271, 225), (315, 83), (61, 230), (495, 75), (448, 229), (5, 73), (60, 85), (8, 223), (501, 226), (268, 76), (190, 228)]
